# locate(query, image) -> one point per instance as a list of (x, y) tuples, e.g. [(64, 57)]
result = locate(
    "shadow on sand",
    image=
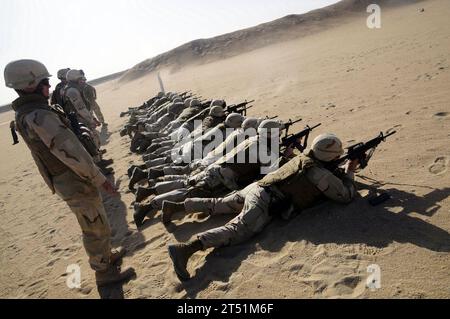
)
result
[(356, 223), (117, 213)]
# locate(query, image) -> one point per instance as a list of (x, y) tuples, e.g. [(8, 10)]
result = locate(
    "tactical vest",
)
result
[(48, 164), (89, 92), (246, 172), (57, 97), (291, 180)]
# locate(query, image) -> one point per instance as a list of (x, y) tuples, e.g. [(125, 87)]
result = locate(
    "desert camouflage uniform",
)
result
[(78, 104), (302, 181), (230, 204), (232, 141), (68, 170), (90, 95), (57, 94)]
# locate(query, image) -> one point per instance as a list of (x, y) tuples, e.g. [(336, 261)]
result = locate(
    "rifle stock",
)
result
[(293, 139)]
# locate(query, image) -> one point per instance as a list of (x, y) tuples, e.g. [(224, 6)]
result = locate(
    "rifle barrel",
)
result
[(390, 134), (314, 127)]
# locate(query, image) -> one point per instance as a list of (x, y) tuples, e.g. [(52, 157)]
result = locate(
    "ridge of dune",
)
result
[(231, 44), (354, 81)]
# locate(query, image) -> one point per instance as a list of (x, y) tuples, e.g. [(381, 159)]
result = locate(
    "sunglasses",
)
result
[(45, 82)]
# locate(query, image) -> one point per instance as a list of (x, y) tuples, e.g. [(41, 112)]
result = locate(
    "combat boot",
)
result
[(113, 275), (106, 170), (154, 173), (170, 208), (143, 193), (180, 254), (105, 163), (153, 148), (137, 176), (132, 167), (150, 156), (152, 182), (140, 212), (117, 255)]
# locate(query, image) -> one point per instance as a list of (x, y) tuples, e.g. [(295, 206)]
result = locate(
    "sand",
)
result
[(356, 82)]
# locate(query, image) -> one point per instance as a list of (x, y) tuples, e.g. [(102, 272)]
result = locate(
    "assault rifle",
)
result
[(206, 104), (286, 126), (240, 108), (361, 151), (295, 139), (84, 137), (184, 94)]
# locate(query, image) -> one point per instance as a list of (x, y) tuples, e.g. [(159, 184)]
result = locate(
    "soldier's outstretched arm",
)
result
[(63, 143), (337, 189), (77, 101)]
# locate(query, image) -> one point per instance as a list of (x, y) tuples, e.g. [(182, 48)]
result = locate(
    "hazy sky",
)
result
[(107, 36)]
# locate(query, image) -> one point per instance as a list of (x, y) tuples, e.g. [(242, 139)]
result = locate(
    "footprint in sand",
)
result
[(67, 252), (86, 290), (439, 166), (37, 289), (440, 115), (352, 285), (396, 127)]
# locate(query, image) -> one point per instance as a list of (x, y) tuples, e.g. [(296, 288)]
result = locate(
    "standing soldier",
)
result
[(57, 95), (12, 126), (90, 96), (65, 165), (75, 101)]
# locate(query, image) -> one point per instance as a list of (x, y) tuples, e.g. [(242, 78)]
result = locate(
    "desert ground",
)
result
[(354, 80)]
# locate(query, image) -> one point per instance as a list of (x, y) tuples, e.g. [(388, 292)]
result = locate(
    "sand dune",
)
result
[(353, 80), (293, 26)]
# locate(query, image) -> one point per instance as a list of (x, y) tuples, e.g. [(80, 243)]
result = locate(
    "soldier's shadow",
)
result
[(104, 135), (356, 223), (121, 234)]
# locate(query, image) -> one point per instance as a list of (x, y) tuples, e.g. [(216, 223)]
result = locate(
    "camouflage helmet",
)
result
[(250, 122), (175, 108), (217, 111), (327, 147), (177, 100), (195, 102), (25, 74), (62, 73), (75, 75), (221, 103), (160, 95), (267, 127), (187, 102), (234, 120)]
